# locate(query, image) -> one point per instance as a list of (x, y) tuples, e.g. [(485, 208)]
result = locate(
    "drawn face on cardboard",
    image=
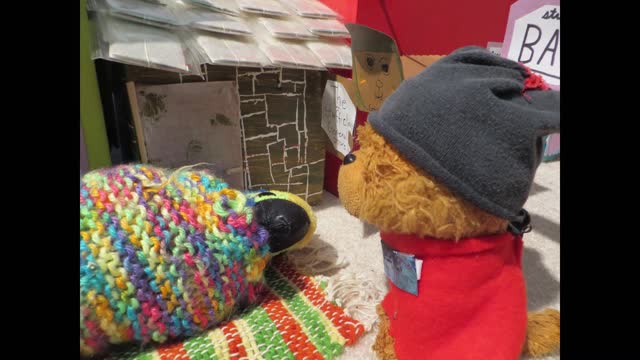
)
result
[(377, 68), (376, 75)]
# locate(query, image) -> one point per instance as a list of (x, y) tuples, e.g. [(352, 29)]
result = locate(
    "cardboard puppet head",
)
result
[(377, 68)]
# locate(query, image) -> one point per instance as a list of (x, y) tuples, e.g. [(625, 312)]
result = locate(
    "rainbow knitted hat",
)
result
[(168, 255)]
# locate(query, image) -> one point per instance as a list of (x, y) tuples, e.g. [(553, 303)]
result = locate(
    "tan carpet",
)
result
[(348, 241)]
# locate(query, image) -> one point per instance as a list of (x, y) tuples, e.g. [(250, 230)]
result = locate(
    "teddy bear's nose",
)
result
[(349, 159)]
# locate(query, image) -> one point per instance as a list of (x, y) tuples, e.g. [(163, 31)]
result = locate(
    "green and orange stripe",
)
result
[(294, 321)]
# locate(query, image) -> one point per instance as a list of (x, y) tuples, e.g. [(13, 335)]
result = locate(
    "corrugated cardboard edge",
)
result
[(137, 123), (412, 65), (84, 160), (331, 149)]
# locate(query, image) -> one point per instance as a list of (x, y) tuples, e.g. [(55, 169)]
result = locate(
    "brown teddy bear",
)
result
[(443, 170)]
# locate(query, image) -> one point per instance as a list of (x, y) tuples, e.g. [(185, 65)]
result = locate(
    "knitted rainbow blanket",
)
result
[(293, 321), (163, 255)]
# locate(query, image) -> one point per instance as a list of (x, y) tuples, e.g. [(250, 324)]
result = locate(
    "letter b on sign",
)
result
[(533, 37)]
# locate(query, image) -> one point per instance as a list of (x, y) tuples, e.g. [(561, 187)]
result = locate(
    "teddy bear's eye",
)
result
[(385, 68)]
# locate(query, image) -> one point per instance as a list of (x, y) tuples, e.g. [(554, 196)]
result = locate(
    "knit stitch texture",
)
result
[(293, 321), (163, 255)]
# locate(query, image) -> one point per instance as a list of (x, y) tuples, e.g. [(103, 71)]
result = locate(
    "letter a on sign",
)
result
[(533, 37)]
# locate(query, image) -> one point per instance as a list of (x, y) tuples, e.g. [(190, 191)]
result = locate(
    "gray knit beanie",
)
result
[(475, 122)]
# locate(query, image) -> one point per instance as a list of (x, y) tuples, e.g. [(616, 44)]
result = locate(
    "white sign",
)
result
[(533, 37), (494, 47), (338, 116)]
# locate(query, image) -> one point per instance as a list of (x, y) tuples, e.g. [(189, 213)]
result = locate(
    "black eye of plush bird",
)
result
[(287, 219)]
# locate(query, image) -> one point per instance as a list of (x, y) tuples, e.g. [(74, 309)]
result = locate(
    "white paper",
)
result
[(144, 45), (142, 10), (215, 22), (290, 54), (330, 27), (332, 55), (536, 42), (287, 29), (418, 268), (338, 116), (495, 47), (162, 54), (311, 8), (225, 6), (235, 51), (263, 7)]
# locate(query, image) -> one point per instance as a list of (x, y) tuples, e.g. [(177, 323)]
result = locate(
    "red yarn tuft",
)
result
[(534, 81)]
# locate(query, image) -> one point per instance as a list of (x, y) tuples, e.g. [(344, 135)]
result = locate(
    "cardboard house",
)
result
[(235, 85), (281, 142)]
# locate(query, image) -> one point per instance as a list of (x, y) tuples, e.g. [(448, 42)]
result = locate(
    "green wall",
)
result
[(91, 115)]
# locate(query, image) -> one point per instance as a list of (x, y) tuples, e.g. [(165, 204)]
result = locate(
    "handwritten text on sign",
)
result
[(338, 116), (535, 41)]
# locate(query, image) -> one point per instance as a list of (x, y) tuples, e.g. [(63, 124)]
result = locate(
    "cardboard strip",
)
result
[(135, 114)]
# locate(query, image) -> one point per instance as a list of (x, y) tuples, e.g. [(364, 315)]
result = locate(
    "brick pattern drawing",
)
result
[(283, 143)]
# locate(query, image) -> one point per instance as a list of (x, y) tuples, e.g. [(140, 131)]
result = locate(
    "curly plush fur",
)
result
[(384, 189), (389, 192), (383, 346)]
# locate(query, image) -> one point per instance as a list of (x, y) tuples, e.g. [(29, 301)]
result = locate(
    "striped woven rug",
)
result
[(294, 321)]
